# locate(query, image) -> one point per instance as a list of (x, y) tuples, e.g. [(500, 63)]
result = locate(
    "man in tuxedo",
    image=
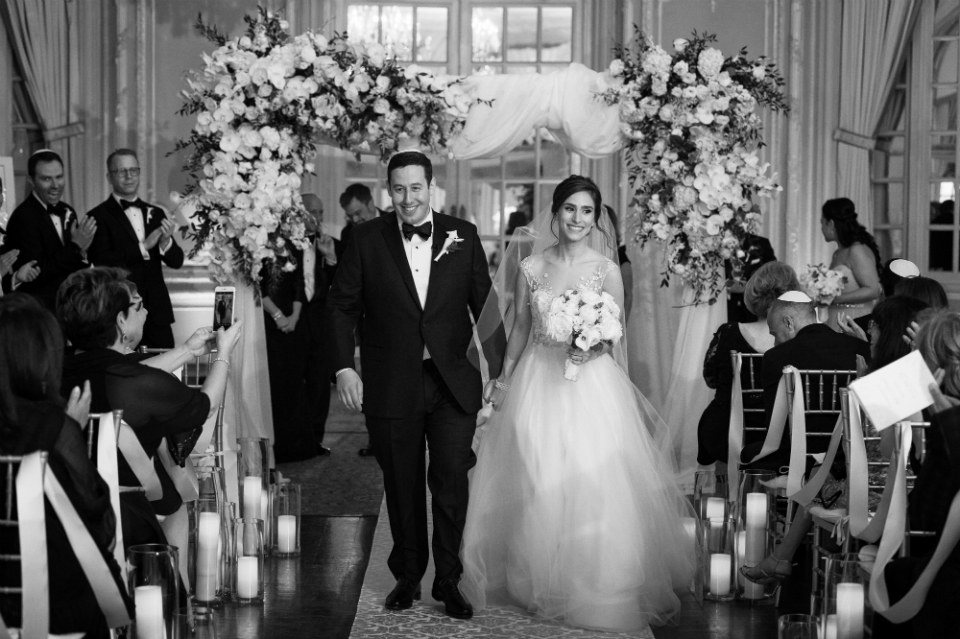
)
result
[(357, 204), (47, 232), (138, 237), (319, 263), (802, 342), (415, 286)]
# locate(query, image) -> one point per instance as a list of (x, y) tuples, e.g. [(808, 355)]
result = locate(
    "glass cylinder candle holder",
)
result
[(205, 546), (755, 533), (228, 549), (710, 493), (718, 545), (248, 582), (756, 481), (252, 476), (846, 602), (154, 581), (797, 627), (210, 483), (286, 523)]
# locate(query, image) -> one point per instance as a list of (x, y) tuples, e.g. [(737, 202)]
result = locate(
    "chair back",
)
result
[(821, 395), (750, 387), (9, 562)]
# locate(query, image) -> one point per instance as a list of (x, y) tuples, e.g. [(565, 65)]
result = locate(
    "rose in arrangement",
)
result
[(691, 135), (584, 319)]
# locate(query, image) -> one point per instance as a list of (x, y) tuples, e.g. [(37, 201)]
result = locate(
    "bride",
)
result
[(574, 511)]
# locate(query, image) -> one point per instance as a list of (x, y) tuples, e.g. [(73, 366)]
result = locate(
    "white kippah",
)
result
[(42, 151), (798, 297), (904, 268)]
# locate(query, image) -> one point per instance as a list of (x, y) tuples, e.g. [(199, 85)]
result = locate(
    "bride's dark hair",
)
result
[(578, 184), (843, 213)]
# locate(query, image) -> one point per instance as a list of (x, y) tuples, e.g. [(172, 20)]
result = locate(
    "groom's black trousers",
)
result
[(400, 446)]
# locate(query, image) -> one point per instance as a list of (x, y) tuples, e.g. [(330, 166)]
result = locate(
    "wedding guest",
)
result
[(357, 203), (288, 355), (894, 271), (626, 268), (47, 231), (319, 268), (34, 418), (924, 289), (10, 279), (937, 483), (102, 315), (857, 258), (769, 282), (757, 252), (138, 237)]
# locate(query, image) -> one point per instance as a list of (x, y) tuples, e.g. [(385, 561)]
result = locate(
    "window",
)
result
[(416, 33)]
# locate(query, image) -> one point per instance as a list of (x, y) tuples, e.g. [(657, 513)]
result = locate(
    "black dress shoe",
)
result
[(322, 450), (454, 603), (366, 452), (403, 595)]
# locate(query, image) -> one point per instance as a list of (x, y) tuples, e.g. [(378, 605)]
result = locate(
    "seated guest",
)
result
[(102, 315), (757, 252), (768, 283), (894, 271), (34, 418), (47, 231), (924, 289), (936, 485)]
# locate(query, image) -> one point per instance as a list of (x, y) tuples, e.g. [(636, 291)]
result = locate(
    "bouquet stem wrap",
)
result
[(571, 371)]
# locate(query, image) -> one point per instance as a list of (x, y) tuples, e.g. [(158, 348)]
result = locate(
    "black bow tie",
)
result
[(126, 204), (60, 210), (423, 230)]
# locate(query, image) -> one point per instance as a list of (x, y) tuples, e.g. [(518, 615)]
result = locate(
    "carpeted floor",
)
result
[(341, 484)]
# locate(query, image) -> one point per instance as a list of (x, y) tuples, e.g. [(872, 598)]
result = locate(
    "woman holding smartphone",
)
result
[(103, 315)]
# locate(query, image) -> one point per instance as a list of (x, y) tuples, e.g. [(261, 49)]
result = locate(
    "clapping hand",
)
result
[(82, 234), (941, 402), (7, 260), (849, 327), (28, 272), (78, 406)]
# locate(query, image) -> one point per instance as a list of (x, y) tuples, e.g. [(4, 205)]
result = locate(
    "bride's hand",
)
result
[(580, 357), (492, 394)]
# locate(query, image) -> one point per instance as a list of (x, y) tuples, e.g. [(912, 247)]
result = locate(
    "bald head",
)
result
[(785, 319), (314, 208)]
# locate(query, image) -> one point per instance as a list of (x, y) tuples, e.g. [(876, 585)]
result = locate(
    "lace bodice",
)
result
[(542, 293)]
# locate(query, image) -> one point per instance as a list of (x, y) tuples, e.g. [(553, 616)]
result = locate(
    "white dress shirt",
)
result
[(310, 270), (136, 217), (418, 252)]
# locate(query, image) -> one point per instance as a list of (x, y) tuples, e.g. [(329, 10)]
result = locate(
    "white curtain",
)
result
[(47, 45), (873, 36)]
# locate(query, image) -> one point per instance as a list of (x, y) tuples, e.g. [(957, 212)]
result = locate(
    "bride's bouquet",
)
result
[(584, 319), (821, 284)]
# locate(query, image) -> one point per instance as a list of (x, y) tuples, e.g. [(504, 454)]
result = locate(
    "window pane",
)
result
[(431, 34), (557, 35), (943, 150), (485, 205), (554, 159), (487, 34), (890, 242), (518, 207), (888, 203), (941, 251), (363, 21), (397, 26), (366, 168), (522, 34), (521, 162), (944, 109), (546, 199), (945, 18), (486, 70), (522, 68), (945, 61)]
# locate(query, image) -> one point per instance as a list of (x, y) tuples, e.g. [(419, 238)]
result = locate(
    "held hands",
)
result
[(849, 327), (82, 234), (941, 402), (285, 324), (78, 406), (493, 394), (350, 389)]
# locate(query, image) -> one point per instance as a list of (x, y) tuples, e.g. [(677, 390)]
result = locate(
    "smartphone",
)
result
[(223, 298)]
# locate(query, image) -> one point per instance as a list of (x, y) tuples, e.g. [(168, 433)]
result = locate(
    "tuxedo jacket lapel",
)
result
[(394, 241), (436, 270), (123, 220)]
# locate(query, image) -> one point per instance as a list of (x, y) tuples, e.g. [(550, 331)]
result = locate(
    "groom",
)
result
[(416, 276)]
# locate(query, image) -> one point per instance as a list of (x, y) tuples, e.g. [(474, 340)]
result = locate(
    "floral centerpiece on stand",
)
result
[(262, 101), (692, 132)]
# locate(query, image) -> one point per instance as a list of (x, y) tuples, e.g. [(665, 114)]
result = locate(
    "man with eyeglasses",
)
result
[(47, 232), (138, 237)]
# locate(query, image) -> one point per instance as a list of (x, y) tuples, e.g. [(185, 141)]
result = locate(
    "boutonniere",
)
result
[(449, 245)]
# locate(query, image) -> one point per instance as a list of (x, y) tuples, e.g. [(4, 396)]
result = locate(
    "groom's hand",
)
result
[(350, 389)]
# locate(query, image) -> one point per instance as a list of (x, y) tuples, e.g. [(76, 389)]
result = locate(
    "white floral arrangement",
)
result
[(821, 284), (692, 132), (263, 101), (584, 319)]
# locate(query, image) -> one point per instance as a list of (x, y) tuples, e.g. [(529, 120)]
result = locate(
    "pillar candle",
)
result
[(252, 489), (287, 533), (149, 603), (715, 508), (720, 574), (830, 627), (755, 540), (756, 510), (208, 543), (248, 577), (850, 603)]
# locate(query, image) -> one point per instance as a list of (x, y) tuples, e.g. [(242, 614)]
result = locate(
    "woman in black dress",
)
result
[(103, 315), (34, 418), (769, 282)]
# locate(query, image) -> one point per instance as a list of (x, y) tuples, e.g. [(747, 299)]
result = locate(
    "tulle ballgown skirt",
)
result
[(574, 512)]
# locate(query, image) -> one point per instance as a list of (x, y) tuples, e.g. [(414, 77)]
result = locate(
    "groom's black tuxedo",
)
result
[(411, 402)]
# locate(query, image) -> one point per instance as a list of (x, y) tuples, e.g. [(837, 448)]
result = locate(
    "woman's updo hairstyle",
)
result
[(576, 184), (843, 213)]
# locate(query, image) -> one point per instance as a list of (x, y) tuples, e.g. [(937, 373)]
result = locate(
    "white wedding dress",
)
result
[(574, 513)]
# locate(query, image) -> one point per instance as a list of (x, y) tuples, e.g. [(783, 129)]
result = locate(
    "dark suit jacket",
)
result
[(816, 346), (115, 244), (323, 275), (31, 230), (758, 251), (374, 279)]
